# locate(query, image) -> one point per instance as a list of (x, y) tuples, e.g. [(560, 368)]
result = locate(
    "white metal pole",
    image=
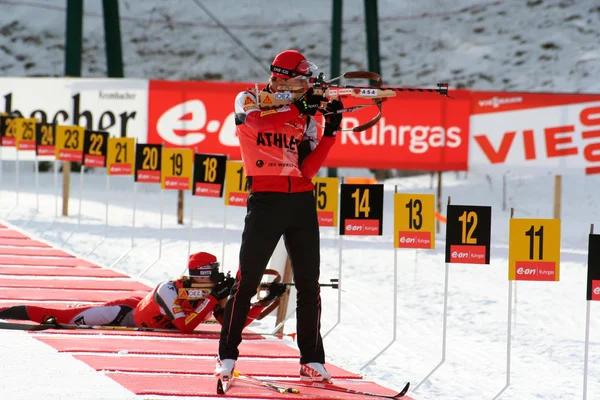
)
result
[(16, 184), (339, 311), (1, 168), (37, 184), (159, 235), (587, 339), (17, 174), (132, 229), (587, 349), (395, 306), (416, 263), (55, 197), (105, 217), (81, 174), (508, 340), (224, 237), (444, 330), (395, 312), (55, 189), (191, 228)]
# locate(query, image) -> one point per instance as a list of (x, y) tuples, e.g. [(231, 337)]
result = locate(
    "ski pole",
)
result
[(272, 386)]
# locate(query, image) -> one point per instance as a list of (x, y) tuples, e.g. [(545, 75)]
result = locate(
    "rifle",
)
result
[(293, 89)]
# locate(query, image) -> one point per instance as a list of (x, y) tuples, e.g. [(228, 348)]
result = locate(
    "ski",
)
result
[(278, 388), (337, 388), (223, 385), (46, 326)]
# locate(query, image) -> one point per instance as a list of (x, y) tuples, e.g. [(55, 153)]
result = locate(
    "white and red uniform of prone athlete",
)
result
[(161, 308)]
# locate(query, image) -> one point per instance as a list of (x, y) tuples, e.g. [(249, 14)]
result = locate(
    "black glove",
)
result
[(309, 103), (275, 290), (223, 288), (333, 121)]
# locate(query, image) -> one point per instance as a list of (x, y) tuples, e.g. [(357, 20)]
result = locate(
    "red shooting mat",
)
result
[(66, 294), (200, 366), (61, 271), (22, 242), (8, 233), (189, 347), (33, 251), (205, 386), (52, 262), (78, 284)]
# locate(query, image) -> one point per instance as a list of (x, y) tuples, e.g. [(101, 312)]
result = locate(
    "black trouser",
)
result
[(271, 215)]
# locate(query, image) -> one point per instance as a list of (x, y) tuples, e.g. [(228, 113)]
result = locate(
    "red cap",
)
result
[(290, 63), (199, 260)]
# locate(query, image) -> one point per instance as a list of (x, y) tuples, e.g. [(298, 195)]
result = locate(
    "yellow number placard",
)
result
[(327, 197), (534, 250), (121, 156), (8, 130), (414, 221), (69, 143), (25, 133), (177, 167), (236, 193)]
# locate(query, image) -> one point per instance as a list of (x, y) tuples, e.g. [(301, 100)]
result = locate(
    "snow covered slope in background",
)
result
[(533, 45)]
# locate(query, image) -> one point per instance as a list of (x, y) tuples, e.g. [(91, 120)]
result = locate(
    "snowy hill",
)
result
[(533, 45)]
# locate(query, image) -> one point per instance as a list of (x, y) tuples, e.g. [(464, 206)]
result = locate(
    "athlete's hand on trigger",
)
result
[(333, 120)]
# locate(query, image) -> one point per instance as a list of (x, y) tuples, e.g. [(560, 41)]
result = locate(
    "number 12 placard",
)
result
[(468, 233)]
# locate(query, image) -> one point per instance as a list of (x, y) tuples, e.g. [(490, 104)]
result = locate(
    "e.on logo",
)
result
[(238, 199), (185, 124), (596, 290), (460, 256), (535, 271), (363, 227), (468, 254)]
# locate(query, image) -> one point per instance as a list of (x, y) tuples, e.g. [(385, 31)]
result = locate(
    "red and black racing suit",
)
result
[(280, 158)]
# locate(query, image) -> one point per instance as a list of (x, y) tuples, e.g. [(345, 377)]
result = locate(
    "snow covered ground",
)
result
[(533, 45), (549, 318), (536, 45)]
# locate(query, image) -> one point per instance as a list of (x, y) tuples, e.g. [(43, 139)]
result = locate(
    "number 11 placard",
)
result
[(534, 249)]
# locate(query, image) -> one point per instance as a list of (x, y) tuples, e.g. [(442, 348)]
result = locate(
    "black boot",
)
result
[(14, 312)]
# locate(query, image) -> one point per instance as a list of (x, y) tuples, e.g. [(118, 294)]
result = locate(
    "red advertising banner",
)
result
[(417, 130), (550, 131), (197, 115), (423, 131)]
